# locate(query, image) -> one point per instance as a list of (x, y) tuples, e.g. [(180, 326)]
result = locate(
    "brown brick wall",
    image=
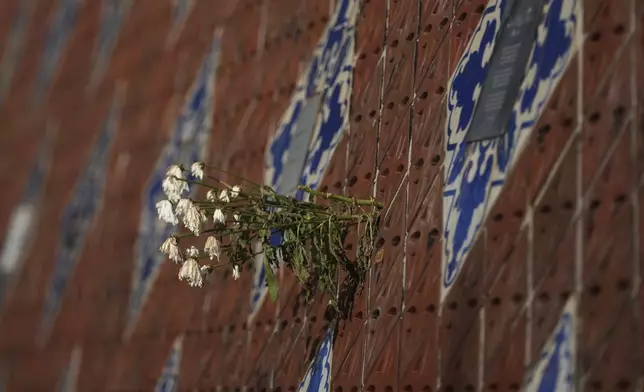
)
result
[(566, 224)]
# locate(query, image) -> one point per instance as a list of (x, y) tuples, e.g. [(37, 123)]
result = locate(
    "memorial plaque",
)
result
[(507, 69)]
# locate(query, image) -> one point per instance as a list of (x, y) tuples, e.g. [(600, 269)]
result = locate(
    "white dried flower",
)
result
[(193, 218), (170, 247), (166, 213), (236, 272), (191, 272), (197, 170), (211, 195), (192, 252), (223, 196), (212, 247), (234, 192), (183, 206), (219, 216), (237, 219), (206, 270), (174, 170), (174, 185)]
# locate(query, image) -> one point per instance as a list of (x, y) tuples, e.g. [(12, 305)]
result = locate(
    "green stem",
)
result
[(223, 232), (344, 199), (245, 197), (210, 166)]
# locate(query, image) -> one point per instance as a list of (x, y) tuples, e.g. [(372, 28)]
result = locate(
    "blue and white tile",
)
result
[(329, 77), (60, 31), (313, 124), (79, 215), (180, 11), (69, 377), (555, 369), (188, 143), (476, 172), (24, 217), (14, 46), (318, 375), (168, 381), (114, 13)]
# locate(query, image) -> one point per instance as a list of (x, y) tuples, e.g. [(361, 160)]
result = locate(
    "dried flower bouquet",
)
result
[(238, 222)]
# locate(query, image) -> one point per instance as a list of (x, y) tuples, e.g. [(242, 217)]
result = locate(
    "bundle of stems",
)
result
[(248, 222)]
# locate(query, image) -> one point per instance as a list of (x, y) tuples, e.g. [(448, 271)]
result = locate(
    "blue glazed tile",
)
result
[(330, 74), (169, 378), (318, 374), (24, 217), (188, 143), (14, 46), (328, 79), (180, 11), (78, 217), (69, 376), (476, 172), (113, 15), (555, 369), (60, 31)]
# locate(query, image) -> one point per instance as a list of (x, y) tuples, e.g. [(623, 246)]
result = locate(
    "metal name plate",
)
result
[(507, 69)]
